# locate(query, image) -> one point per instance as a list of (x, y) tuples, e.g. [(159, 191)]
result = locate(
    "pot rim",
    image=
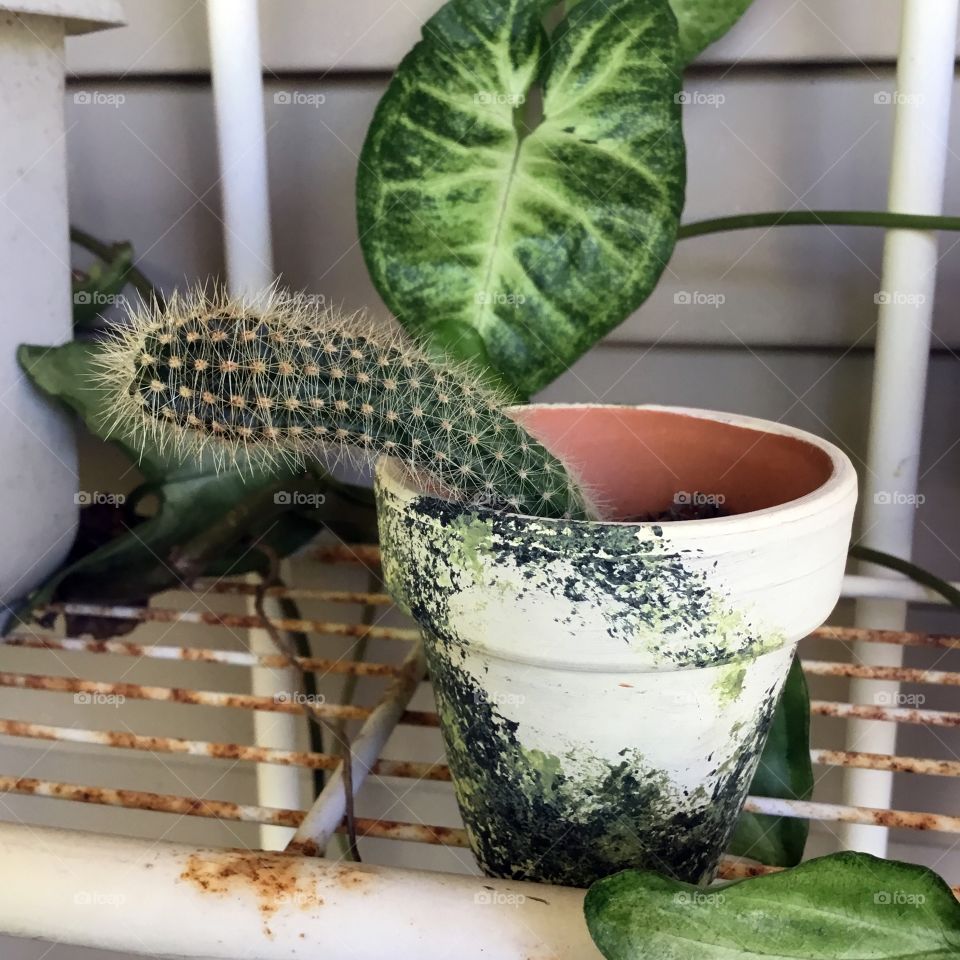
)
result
[(834, 491)]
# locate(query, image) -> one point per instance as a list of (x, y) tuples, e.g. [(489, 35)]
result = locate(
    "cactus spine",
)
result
[(273, 377)]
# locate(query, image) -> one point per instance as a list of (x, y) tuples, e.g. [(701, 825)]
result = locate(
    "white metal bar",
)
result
[(237, 76), (179, 901), (859, 587), (276, 786), (925, 67), (241, 137), (328, 811)]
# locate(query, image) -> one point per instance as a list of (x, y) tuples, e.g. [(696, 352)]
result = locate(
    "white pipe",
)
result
[(857, 587), (237, 77), (922, 102), (277, 786), (327, 813), (241, 137), (161, 899)]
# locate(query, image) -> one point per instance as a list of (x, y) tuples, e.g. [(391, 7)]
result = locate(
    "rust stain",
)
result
[(275, 881), (418, 832), (304, 848), (127, 740), (740, 869), (881, 761), (352, 879), (363, 553), (203, 655), (238, 588), (412, 769), (390, 830), (209, 698), (891, 714), (231, 620), (898, 818), (898, 637), (824, 668), (157, 802)]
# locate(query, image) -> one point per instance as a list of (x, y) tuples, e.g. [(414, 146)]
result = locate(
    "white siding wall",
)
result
[(798, 128)]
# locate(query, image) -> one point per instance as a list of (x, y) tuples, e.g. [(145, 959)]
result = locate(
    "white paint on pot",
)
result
[(38, 470), (606, 687)]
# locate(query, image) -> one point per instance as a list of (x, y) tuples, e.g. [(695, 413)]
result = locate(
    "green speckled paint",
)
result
[(730, 683), (650, 596), (576, 818), (476, 539), (573, 814)]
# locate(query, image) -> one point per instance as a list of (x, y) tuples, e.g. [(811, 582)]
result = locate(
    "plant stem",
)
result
[(911, 570), (105, 252), (799, 218)]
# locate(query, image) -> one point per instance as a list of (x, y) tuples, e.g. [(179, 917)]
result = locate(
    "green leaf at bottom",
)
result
[(849, 906)]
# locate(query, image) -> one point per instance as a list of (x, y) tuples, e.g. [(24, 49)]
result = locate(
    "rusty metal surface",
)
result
[(882, 761), (424, 833), (367, 555), (202, 698), (239, 588), (829, 668), (930, 718), (158, 802), (234, 658), (222, 810), (810, 810), (236, 621), (127, 740), (903, 638)]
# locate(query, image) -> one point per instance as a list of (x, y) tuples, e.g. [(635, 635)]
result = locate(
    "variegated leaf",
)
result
[(522, 249), (703, 22)]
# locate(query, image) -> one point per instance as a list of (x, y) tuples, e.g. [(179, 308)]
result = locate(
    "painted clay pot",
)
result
[(605, 688)]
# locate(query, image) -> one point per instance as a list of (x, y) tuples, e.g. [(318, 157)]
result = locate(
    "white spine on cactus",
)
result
[(274, 377)]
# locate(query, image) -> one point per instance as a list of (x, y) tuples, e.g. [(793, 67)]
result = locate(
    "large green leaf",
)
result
[(703, 22), (849, 906), (785, 771), (521, 249), (68, 374)]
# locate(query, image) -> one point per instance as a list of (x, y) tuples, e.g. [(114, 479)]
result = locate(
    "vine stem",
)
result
[(834, 218), (105, 251), (908, 569)]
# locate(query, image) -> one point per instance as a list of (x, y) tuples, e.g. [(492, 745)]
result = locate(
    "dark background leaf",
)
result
[(100, 285), (785, 771), (205, 521)]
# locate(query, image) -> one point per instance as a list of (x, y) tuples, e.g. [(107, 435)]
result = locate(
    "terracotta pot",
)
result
[(605, 688)]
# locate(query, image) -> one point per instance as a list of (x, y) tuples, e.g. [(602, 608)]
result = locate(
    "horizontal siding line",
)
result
[(202, 78), (726, 71), (743, 347)]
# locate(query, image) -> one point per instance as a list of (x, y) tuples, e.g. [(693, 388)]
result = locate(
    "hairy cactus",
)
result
[(275, 377)]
